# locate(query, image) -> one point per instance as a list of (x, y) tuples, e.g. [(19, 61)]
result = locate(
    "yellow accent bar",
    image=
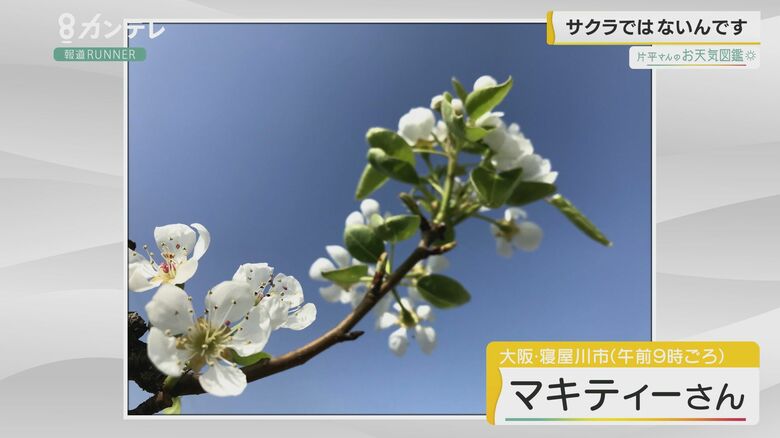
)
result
[(550, 30)]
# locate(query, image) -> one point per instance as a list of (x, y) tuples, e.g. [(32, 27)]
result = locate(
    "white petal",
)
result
[(528, 237), (549, 178), (514, 213), (355, 218), (256, 274), (331, 293), (437, 263), (170, 309), (204, 239), (386, 320), (320, 265), (163, 353), (339, 255), (490, 120), (424, 312), (440, 130), (185, 270), (138, 276), (252, 333), (349, 296), (426, 337), (535, 168), (134, 256), (223, 379), (168, 236), (457, 106), (503, 247), (288, 289), (398, 342), (369, 207), (302, 318), (495, 139), (484, 82), (406, 302), (229, 301), (277, 310), (436, 101), (416, 125)]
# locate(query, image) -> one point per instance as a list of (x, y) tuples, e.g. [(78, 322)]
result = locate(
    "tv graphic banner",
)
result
[(688, 383)]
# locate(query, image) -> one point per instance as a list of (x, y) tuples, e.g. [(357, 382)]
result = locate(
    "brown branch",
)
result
[(139, 368), (188, 384)]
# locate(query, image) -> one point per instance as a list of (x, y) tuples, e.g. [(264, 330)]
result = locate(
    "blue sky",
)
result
[(256, 131)]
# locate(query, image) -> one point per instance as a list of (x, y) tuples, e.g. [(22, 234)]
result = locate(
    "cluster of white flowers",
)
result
[(340, 258), (239, 316), (511, 150), (419, 127), (408, 315)]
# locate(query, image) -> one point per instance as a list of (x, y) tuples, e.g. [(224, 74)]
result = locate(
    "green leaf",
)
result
[(459, 90), (251, 359), (493, 188), (392, 167), (393, 144), (174, 408), (370, 180), (527, 192), (481, 101), (579, 220), (442, 291), (363, 243), (475, 148), (399, 228), (454, 122), (346, 277), (475, 133)]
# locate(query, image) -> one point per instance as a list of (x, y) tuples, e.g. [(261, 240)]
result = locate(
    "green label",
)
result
[(83, 54)]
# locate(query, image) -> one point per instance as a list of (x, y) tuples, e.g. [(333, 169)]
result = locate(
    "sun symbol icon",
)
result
[(750, 55)]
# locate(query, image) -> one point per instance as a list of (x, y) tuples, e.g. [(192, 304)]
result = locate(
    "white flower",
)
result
[(416, 125), (232, 323), (436, 101), (512, 150), (484, 82), (368, 209), (334, 292), (432, 265), (284, 299), (538, 169), (176, 243), (515, 231), (490, 120), (457, 106), (408, 318)]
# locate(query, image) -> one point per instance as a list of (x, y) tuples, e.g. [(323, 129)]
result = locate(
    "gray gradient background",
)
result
[(61, 143)]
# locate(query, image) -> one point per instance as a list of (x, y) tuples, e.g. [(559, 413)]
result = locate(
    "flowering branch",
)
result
[(221, 351), (188, 384)]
